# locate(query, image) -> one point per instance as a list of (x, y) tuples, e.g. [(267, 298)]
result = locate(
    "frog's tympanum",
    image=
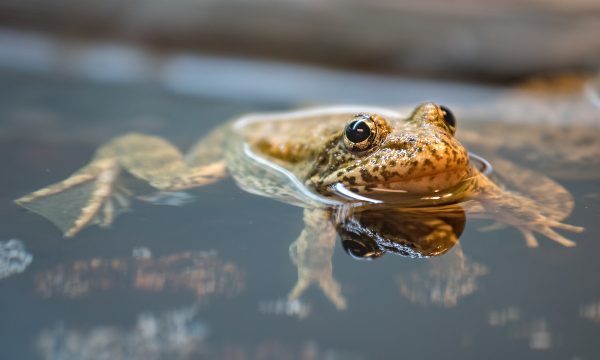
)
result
[(384, 182)]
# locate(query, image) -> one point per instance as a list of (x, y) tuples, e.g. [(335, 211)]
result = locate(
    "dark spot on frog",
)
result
[(350, 180), (434, 153), (388, 174), (366, 175), (398, 146)]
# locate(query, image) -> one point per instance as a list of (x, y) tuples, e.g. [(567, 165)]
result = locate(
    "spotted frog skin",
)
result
[(416, 155), (326, 160)]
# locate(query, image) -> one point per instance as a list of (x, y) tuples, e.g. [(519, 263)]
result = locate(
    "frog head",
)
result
[(372, 154)]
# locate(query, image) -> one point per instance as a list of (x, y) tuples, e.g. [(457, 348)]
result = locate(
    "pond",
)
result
[(206, 273)]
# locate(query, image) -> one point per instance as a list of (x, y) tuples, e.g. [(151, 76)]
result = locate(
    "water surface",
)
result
[(517, 303)]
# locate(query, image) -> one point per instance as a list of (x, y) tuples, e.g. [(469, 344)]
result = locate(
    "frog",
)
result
[(334, 162)]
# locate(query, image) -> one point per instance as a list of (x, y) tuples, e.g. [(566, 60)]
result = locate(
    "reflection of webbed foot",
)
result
[(88, 196)]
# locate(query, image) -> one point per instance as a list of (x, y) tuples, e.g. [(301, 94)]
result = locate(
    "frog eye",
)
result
[(360, 132), (448, 118)]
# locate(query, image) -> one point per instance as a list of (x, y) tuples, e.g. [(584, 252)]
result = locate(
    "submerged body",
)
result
[(326, 160)]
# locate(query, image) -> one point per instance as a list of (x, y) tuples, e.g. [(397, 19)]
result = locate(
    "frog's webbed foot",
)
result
[(117, 202), (529, 227), (540, 211), (88, 196), (546, 230)]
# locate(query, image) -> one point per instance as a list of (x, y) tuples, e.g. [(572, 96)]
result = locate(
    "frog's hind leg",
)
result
[(75, 202), (99, 199), (162, 165), (93, 195)]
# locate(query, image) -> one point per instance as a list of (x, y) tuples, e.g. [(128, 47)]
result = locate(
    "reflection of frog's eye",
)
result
[(448, 117), (360, 132), (360, 249)]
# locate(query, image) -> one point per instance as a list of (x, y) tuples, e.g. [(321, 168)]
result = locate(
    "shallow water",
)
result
[(209, 279)]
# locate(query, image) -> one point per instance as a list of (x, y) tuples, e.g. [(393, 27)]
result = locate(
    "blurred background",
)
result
[(132, 40)]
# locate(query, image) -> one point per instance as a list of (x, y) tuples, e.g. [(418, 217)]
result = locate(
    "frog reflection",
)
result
[(201, 273), (372, 231), (420, 233), (369, 232)]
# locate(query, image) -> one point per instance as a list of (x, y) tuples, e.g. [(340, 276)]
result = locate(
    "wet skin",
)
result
[(411, 165)]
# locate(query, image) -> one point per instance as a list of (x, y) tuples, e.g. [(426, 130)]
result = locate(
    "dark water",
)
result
[(216, 284)]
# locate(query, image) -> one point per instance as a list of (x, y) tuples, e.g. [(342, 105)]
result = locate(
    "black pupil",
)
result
[(358, 131), (448, 116)]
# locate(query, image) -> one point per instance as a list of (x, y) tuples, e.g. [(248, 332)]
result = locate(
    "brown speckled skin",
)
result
[(414, 154)]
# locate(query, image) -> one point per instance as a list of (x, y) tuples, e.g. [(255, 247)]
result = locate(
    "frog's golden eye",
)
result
[(449, 118), (360, 133)]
